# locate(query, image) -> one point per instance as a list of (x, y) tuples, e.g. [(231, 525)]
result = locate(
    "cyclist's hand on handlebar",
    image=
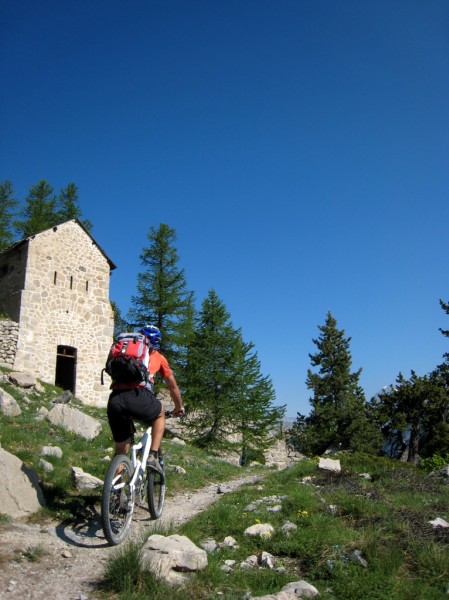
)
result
[(179, 412)]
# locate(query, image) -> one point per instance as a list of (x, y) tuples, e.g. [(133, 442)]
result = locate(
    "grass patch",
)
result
[(34, 553), (384, 517), (405, 556)]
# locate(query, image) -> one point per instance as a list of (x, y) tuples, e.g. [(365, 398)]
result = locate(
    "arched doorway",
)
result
[(65, 376)]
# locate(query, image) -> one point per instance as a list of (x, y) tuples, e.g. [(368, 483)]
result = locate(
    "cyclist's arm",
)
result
[(175, 395)]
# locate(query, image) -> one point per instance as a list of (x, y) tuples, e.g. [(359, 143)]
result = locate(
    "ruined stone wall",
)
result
[(65, 301), (280, 455), (9, 331)]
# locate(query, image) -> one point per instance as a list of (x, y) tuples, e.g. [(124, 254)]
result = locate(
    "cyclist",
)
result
[(135, 400)]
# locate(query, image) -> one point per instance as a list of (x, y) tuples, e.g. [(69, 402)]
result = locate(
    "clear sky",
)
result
[(299, 148)]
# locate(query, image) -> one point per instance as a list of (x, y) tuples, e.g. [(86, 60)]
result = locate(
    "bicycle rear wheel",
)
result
[(116, 503), (155, 493)]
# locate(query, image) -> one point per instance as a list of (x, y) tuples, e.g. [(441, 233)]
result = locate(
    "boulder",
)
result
[(51, 451), (8, 405), (23, 380), (172, 557), (263, 530), (74, 420), (20, 494), (329, 464), (443, 472), (84, 481)]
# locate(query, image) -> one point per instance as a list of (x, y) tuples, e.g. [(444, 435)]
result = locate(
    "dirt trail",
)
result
[(74, 557)]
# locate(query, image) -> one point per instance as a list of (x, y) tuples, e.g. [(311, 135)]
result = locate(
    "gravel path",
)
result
[(74, 557)]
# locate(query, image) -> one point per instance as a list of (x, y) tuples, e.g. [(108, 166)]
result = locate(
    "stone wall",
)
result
[(280, 455), (12, 281), (9, 331), (64, 301)]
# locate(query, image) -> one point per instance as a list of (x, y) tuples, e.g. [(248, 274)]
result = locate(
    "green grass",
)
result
[(386, 518), (25, 435), (34, 553)]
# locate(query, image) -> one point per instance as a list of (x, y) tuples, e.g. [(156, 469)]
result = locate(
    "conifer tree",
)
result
[(445, 332), (185, 332), (258, 420), (212, 384), (411, 412), (120, 324), (8, 205), (39, 212), (414, 412), (162, 298), (225, 388), (69, 208), (339, 415)]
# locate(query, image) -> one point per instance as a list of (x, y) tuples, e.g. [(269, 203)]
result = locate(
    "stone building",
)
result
[(54, 289)]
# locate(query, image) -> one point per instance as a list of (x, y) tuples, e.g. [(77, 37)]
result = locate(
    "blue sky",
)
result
[(300, 149)]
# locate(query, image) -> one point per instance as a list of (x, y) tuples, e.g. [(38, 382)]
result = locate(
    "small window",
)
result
[(87, 286), (55, 276), (71, 282)]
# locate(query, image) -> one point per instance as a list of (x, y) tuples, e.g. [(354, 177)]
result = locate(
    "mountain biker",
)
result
[(135, 400)]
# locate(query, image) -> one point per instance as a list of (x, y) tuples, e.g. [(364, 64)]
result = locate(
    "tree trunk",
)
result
[(413, 444)]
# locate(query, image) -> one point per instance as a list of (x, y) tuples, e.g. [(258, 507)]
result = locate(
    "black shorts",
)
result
[(139, 404)]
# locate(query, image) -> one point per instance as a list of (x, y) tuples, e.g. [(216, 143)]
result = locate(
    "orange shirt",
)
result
[(158, 362)]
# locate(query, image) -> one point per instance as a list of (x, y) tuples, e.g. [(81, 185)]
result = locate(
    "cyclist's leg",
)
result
[(145, 408), (119, 421), (157, 431)]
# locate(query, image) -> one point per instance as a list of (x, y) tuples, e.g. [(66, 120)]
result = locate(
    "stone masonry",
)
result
[(55, 285), (9, 331)]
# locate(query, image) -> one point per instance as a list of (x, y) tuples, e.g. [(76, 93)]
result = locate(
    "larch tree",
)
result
[(68, 206), (258, 419), (120, 325), (232, 403), (39, 212), (8, 206), (162, 297), (211, 385)]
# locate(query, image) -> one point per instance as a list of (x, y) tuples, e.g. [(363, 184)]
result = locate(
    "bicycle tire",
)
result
[(116, 505), (155, 493)]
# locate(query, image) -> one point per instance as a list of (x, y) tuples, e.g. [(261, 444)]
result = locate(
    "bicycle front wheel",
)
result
[(117, 505), (155, 493)]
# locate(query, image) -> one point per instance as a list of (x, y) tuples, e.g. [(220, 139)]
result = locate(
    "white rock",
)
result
[(264, 530), (329, 464), (439, 522)]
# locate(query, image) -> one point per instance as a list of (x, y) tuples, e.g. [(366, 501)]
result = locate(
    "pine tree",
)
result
[(69, 208), (340, 415), (8, 205), (416, 406), (39, 212), (414, 412), (162, 298)]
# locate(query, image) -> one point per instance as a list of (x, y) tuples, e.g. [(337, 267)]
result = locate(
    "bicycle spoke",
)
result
[(117, 505)]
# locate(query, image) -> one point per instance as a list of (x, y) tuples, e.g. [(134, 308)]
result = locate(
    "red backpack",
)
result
[(128, 359)]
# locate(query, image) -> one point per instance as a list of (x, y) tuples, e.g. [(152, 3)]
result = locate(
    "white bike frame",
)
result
[(138, 465)]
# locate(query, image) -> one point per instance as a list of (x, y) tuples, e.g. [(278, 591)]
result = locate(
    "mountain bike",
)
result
[(128, 481)]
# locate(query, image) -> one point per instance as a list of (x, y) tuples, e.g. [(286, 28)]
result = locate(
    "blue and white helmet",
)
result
[(153, 334)]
